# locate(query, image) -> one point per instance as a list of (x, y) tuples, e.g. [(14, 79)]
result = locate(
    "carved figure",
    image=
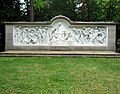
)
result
[(29, 36), (18, 34), (39, 32), (44, 35), (60, 33), (101, 35), (89, 35), (53, 36), (32, 36)]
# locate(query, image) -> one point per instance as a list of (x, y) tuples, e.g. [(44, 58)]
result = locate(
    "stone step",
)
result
[(62, 53)]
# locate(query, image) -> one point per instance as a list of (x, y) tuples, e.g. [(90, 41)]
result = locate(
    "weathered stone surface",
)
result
[(60, 34)]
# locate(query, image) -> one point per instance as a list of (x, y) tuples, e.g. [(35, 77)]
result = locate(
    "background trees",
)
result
[(95, 10), (10, 10)]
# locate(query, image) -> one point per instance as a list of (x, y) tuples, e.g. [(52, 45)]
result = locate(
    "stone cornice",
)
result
[(64, 18)]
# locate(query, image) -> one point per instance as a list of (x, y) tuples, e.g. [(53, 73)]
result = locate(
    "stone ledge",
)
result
[(62, 53)]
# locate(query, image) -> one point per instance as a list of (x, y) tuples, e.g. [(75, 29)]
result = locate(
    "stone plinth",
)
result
[(61, 34)]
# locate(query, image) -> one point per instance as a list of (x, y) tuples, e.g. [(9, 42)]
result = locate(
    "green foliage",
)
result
[(38, 4), (10, 10), (57, 7), (96, 10)]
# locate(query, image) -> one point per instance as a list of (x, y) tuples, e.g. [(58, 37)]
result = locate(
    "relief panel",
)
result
[(60, 33)]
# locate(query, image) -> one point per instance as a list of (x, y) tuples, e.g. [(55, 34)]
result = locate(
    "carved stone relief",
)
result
[(60, 35), (29, 36), (90, 36)]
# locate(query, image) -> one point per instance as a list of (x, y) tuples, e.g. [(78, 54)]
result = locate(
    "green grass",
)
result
[(48, 75)]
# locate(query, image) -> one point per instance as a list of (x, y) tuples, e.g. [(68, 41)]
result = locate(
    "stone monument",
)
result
[(61, 34)]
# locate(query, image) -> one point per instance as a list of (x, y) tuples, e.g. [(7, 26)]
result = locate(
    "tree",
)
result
[(83, 9), (31, 6), (10, 10), (31, 10), (53, 8)]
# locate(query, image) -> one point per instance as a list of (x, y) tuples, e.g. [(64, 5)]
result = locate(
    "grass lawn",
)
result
[(59, 75)]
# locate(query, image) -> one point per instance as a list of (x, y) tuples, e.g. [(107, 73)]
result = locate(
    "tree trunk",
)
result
[(31, 11), (83, 10), (110, 8), (89, 10)]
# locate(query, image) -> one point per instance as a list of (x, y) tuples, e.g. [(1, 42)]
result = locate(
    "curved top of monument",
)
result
[(59, 17)]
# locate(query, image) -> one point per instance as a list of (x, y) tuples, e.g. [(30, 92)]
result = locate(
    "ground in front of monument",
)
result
[(59, 75)]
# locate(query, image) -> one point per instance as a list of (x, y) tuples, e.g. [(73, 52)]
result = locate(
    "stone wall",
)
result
[(60, 34)]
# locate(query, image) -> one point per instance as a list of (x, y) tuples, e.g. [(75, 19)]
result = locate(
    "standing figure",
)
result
[(39, 31), (18, 35), (61, 32), (32, 36)]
